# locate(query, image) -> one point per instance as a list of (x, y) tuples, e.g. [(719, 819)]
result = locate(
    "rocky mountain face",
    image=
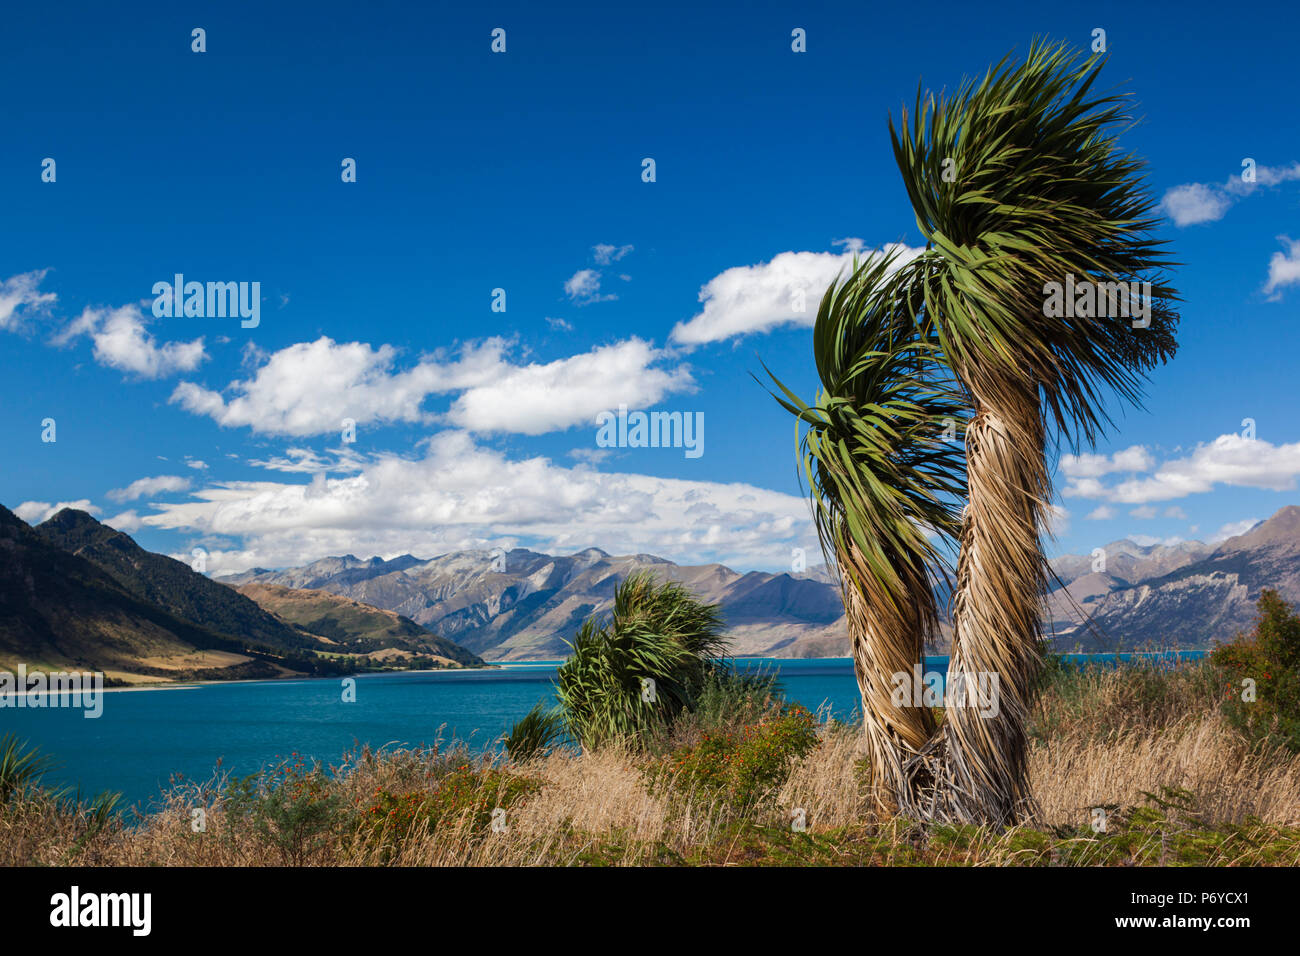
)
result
[(525, 605), (168, 583), (1190, 594), (60, 610), (77, 594), (355, 628)]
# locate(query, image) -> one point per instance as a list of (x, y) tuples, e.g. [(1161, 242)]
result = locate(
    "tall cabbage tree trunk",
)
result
[(1001, 580), (887, 640)]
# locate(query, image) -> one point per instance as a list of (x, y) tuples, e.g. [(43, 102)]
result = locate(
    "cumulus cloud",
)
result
[(1192, 203), (309, 388), (533, 399), (1101, 513), (759, 298), (1133, 458), (142, 487), (20, 295), (460, 495), (1283, 268), (34, 512), (583, 288), (1232, 529), (121, 341), (128, 522), (1228, 460)]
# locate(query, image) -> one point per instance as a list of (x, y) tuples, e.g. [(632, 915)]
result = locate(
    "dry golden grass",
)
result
[(1104, 740)]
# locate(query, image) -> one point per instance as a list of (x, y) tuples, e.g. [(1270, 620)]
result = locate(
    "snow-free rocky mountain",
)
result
[(1189, 594), (530, 608)]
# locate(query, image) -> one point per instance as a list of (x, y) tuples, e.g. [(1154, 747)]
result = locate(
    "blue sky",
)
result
[(522, 171)]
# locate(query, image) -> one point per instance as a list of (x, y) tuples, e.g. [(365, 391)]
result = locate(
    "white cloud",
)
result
[(1133, 458), (1146, 540), (143, 487), (1232, 529), (559, 325), (758, 298), (1192, 203), (591, 456), (1228, 460), (305, 461), (1145, 512), (534, 399), (583, 288), (309, 388), (34, 512), (1173, 511), (128, 522), (604, 253), (460, 495), (21, 292), (1101, 513), (1283, 267), (1084, 488), (122, 342)]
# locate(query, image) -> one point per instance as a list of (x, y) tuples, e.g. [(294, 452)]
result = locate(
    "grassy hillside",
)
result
[(168, 583), (58, 610), (357, 628)]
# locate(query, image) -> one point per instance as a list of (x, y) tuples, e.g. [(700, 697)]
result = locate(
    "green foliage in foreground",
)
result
[(21, 768), (293, 809), (535, 733), (629, 678), (1261, 676), (743, 765), (468, 796)]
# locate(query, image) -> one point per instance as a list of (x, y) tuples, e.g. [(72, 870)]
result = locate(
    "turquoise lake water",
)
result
[(144, 736)]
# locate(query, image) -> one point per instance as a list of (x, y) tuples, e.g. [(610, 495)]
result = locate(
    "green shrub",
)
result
[(658, 633), (467, 795), (1270, 657), (293, 809), (535, 733), (21, 768), (742, 765)]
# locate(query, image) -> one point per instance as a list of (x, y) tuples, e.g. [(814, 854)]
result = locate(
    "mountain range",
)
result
[(526, 607), (1188, 594), (77, 594)]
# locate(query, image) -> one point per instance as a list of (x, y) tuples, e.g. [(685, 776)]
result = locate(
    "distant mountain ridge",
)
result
[(78, 594), (59, 610), (1189, 593), (166, 582), (355, 627), (525, 605)]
